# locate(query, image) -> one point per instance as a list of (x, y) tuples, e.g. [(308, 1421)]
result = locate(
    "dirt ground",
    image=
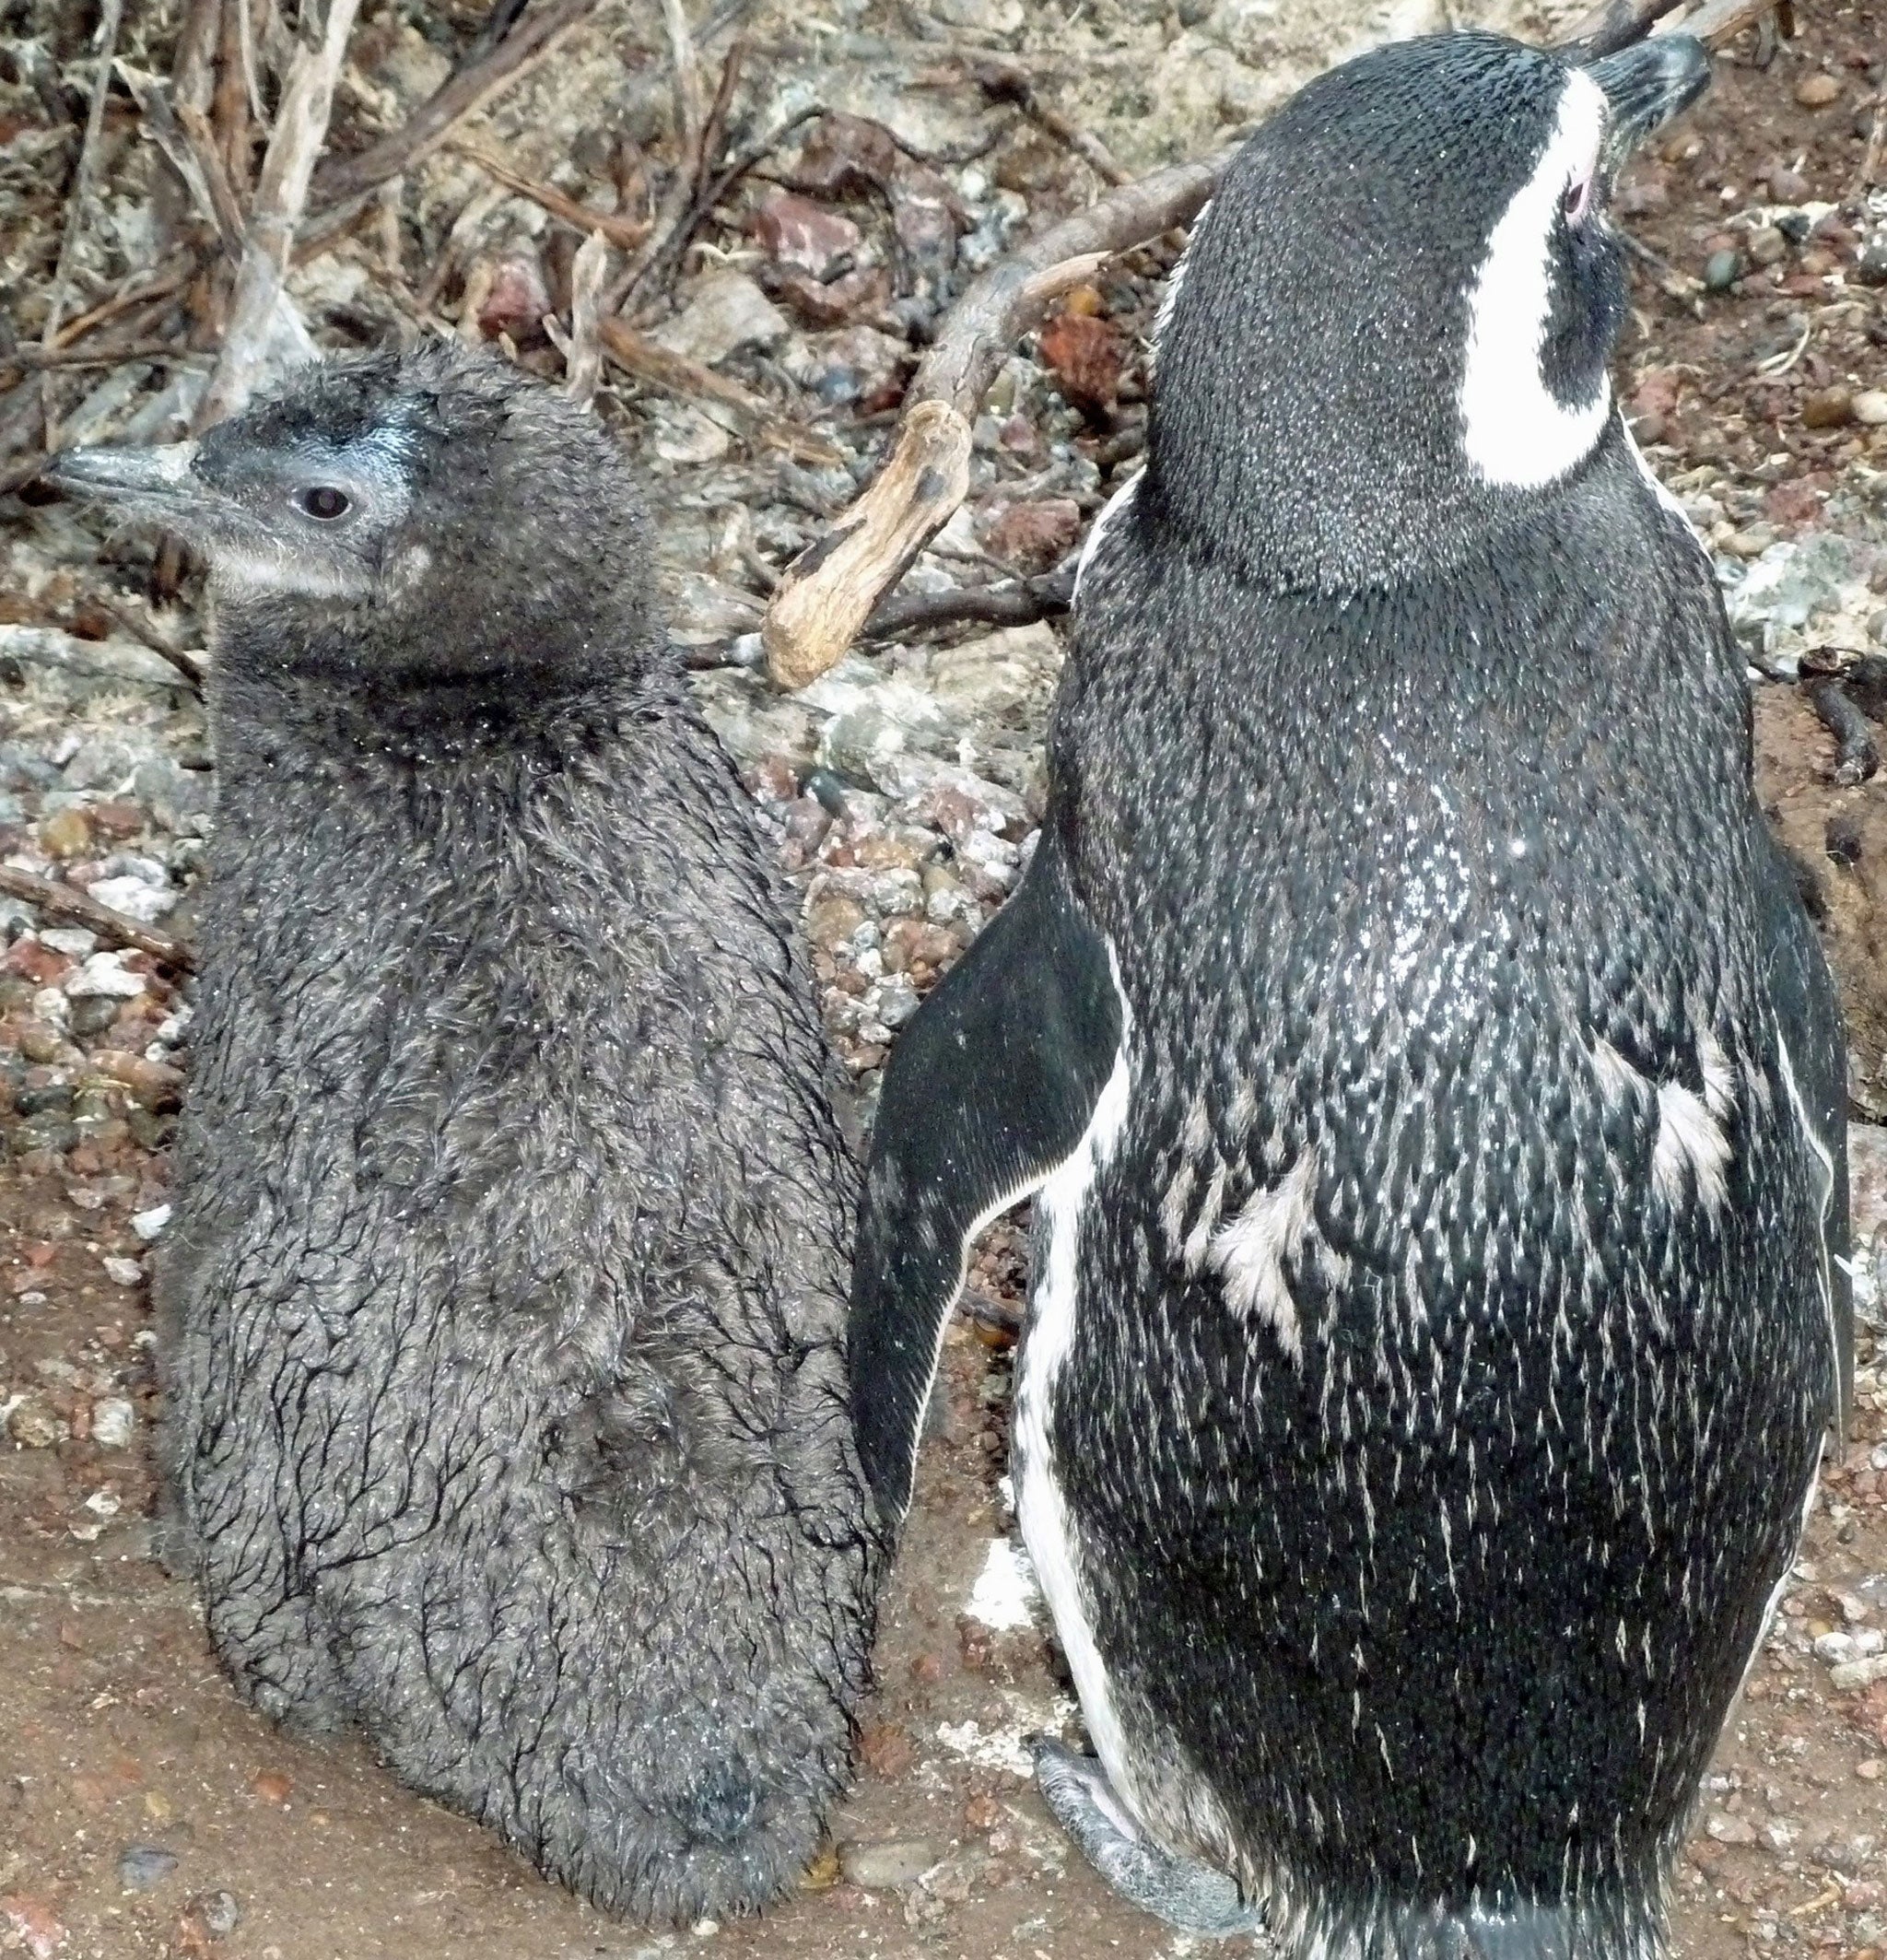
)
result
[(144, 1811)]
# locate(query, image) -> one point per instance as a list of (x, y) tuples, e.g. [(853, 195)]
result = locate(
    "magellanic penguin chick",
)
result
[(1430, 1083), (502, 1317)]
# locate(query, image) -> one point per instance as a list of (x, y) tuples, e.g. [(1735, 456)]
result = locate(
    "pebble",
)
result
[(726, 312), (33, 1425), (1726, 1829), (104, 974), (123, 1272), (1859, 1673), (219, 1912), (1870, 264), (151, 1225), (1827, 408), (886, 1866), (1816, 91), (1870, 408), (1722, 269), (113, 1423), (141, 1866), (1767, 245)]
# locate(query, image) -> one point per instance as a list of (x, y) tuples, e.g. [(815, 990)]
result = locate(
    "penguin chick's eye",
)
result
[(323, 501), (1577, 200)]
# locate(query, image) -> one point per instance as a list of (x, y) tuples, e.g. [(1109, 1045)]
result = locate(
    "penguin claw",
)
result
[(1191, 1898)]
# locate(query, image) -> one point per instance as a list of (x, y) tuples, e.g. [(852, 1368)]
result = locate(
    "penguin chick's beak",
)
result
[(1646, 86), (157, 481)]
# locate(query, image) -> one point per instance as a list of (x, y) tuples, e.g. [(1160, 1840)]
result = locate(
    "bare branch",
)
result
[(830, 590), (463, 92), (583, 360), (254, 339), (59, 900)]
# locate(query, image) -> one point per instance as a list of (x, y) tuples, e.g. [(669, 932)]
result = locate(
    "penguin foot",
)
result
[(1189, 1897)]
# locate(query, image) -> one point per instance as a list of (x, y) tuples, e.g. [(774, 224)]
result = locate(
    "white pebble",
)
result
[(113, 1421), (102, 1504), (103, 976), (52, 1006), (150, 1225), (1871, 408), (136, 898), (72, 941), (124, 1272)]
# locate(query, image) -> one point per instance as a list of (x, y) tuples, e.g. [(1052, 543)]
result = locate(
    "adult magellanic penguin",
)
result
[(1431, 1084)]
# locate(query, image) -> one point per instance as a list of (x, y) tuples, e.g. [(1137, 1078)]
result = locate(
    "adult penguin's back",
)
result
[(1431, 1085)]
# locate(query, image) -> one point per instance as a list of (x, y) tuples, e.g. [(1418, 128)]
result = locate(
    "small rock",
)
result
[(1827, 408), (724, 313), (885, 1866), (143, 1866), (66, 834), (1817, 91), (887, 1750), (1788, 186), (1085, 355), (1859, 1673), (1871, 262), (272, 1787), (1767, 245), (1870, 408), (795, 232), (1035, 534), (113, 1423), (123, 1272), (137, 898), (33, 1425), (151, 1225), (1727, 1829), (104, 974), (33, 1924), (1722, 269), (856, 366)]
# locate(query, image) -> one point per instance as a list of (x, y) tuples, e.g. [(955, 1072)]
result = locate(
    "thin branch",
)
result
[(830, 590), (624, 233), (1002, 81), (109, 19), (583, 356), (467, 90), (689, 121), (1855, 756), (677, 375), (59, 900), (281, 193), (229, 106), (1615, 24), (1019, 602)]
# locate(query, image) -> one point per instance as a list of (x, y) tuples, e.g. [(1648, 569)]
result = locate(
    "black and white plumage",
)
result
[(1430, 1084), (502, 1314)]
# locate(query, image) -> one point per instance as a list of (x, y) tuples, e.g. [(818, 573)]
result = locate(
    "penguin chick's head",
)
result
[(1394, 323), (428, 514)]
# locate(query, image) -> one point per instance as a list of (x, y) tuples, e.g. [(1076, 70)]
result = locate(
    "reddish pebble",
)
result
[(273, 1787)]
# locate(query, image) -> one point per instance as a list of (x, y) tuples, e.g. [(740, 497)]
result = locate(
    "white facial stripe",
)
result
[(1515, 431), (1111, 508)]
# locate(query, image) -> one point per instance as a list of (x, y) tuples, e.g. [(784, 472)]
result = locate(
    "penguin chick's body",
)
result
[(502, 1313), (1429, 1081)]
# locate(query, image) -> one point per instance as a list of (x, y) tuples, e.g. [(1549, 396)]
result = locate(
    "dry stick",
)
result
[(1002, 82), (108, 19), (192, 67), (829, 592), (648, 363), (229, 107), (1856, 757), (680, 194), (700, 200), (189, 145), (583, 356), (66, 901), (225, 208), (1019, 602), (1615, 24), (624, 233), (463, 92), (281, 192)]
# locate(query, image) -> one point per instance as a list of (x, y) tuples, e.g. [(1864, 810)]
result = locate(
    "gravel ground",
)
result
[(142, 1810)]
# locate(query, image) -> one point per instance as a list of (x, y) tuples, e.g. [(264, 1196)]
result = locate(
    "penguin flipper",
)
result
[(1808, 1015), (1190, 1897), (989, 1088)]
